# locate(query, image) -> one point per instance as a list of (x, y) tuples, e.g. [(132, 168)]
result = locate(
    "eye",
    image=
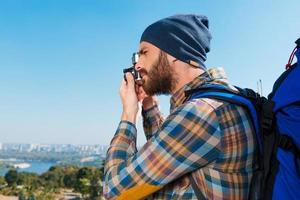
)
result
[(143, 52)]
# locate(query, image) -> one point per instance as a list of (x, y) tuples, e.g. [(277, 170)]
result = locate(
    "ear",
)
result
[(171, 59)]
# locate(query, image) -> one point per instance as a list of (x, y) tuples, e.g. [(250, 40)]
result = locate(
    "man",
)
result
[(205, 141)]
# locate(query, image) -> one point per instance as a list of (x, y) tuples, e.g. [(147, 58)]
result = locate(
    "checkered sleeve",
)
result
[(187, 140), (152, 120)]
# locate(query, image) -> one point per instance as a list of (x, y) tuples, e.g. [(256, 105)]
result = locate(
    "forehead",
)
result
[(146, 45)]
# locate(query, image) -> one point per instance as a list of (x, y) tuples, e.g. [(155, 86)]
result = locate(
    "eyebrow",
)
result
[(142, 50)]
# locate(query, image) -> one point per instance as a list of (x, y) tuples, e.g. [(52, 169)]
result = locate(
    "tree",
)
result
[(54, 168), (11, 177), (96, 184), (30, 180), (22, 196), (83, 180), (70, 175), (51, 179), (70, 180), (84, 172), (2, 181), (32, 197), (83, 186)]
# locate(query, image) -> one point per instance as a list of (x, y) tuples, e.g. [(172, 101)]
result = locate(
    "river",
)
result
[(35, 167)]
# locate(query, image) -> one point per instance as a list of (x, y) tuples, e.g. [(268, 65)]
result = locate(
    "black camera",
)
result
[(132, 70)]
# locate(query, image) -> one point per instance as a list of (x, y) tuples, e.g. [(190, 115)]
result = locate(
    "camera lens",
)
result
[(135, 58)]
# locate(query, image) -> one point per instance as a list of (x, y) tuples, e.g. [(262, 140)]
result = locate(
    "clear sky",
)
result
[(61, 60)]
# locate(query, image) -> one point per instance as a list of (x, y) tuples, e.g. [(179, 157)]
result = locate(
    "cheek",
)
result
[(148, 66), (145, 70)]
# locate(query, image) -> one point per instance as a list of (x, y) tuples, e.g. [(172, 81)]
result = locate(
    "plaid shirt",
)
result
[(213, 141)]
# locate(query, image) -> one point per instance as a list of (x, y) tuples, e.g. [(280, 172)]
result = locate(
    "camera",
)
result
[(133, 71)]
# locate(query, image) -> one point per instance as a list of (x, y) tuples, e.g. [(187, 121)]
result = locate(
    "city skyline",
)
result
[(61, 63), (80, 148)]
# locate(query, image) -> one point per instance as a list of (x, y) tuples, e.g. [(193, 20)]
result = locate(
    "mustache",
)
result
[(143, 71)]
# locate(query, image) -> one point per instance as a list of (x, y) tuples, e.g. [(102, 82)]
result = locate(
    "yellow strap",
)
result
[(138, 192)]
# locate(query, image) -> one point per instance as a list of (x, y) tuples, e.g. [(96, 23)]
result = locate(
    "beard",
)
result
[(161, 78)]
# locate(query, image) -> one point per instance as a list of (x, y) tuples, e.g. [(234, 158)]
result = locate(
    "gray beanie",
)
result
[(185, 37)]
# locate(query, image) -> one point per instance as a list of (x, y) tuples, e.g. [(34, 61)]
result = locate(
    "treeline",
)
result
[(85, 180)]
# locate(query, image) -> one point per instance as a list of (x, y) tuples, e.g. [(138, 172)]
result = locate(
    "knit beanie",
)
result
[(185, 37)]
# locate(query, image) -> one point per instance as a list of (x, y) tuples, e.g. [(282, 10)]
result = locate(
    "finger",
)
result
[(136, 88), (130, 80), (141, 90), (137, 91), (140, 97), (123, 83)]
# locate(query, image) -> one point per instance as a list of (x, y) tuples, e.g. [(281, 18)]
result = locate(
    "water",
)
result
[(35, 167)]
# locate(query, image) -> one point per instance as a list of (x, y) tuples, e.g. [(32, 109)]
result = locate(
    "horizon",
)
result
[(96, 144), (61, 63)]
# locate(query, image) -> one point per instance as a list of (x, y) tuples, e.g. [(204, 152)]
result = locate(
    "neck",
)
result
[(186, 75)]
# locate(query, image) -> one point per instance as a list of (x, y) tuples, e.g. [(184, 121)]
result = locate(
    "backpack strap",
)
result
[(287, 143), (222, 93)]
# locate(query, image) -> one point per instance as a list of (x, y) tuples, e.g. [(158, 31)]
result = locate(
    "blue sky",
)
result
[(61, 60)]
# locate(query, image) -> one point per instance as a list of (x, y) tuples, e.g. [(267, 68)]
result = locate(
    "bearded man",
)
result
[(204, 149)]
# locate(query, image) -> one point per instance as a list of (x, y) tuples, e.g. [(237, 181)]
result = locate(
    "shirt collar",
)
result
[(215, 75)]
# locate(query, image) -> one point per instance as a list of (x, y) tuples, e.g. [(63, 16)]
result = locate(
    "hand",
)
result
[(147, 101), (129, 99)]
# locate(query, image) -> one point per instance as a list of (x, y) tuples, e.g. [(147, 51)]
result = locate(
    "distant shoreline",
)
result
[(23, 165), (37, 167)]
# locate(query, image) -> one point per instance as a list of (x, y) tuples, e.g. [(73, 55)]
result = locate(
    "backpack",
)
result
[(276, 121)]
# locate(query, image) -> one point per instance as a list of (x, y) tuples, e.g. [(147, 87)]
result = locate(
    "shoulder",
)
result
[(209, 107), (204, 105), (202, 108)]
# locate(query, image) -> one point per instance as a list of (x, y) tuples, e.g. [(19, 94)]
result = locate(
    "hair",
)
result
[(162, 79)]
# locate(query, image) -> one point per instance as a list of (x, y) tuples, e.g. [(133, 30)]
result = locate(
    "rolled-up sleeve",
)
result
[(187, 140)]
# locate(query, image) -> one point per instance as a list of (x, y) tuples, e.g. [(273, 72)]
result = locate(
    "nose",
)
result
[(138, 65)]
